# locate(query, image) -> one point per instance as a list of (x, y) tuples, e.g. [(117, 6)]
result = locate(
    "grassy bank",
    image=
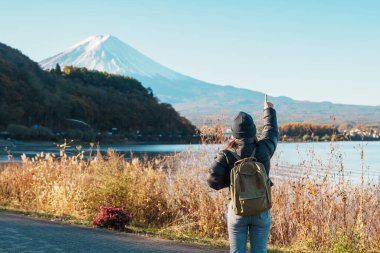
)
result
[(168, 196)]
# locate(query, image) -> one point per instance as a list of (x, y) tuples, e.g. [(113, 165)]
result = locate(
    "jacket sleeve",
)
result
[(270, 134), (218, 177)]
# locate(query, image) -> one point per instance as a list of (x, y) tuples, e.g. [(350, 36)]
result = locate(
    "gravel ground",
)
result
[(19, 233)]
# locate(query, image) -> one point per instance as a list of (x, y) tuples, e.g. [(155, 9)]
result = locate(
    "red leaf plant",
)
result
[(111, 217)]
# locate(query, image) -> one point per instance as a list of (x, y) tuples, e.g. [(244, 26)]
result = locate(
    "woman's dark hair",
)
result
[(231, 144)]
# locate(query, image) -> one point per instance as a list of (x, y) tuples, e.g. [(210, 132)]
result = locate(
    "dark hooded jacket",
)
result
[(219, 172)]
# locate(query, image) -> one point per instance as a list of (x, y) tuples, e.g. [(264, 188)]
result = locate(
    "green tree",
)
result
[(58, 70)]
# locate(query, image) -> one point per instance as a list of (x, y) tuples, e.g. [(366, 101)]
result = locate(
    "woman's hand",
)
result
[(267, 104)]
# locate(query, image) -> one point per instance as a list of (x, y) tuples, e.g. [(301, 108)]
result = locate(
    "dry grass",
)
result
[(311, 212), (323, 209)]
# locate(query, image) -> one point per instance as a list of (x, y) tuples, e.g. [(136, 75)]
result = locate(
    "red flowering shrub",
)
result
[(111, 217)]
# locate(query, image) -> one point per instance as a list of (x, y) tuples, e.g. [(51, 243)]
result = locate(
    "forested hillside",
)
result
[(100, 102)]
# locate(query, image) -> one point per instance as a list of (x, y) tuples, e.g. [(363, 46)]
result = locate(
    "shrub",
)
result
[(111, 217), (41, 133), (306, 137), (26, 133), (75, 134), (19, 131)]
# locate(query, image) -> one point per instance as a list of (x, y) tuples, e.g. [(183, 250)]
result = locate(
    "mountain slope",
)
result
[(31, 96), (109, 54), (194, 98)]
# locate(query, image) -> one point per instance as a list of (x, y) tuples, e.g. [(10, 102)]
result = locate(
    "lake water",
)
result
[(332, 157), (290, 158)]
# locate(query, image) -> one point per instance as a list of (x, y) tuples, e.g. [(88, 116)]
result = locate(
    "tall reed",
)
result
[(311, 212)]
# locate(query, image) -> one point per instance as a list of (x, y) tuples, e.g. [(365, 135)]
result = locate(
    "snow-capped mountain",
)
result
[(193, 98), (107, 53)]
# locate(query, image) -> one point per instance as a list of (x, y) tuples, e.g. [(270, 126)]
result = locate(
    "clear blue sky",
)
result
[(317, 50)]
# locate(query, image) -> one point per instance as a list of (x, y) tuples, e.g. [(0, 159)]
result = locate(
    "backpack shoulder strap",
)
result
[(254, 152)]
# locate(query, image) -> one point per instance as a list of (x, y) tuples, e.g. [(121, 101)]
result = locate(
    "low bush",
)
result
[(111, 217)]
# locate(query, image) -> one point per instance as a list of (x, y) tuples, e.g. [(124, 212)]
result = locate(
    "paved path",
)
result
[(20, 233)]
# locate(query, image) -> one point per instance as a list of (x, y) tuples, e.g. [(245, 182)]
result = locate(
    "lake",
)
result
[(290, 158)]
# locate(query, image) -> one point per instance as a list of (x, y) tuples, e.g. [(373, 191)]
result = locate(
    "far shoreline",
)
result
[(12, 142)]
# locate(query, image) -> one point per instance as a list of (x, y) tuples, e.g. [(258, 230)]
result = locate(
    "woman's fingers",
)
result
[(266, 103)]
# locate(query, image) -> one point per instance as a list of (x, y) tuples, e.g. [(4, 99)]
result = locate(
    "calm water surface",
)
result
[(332, 157), (289, 157)]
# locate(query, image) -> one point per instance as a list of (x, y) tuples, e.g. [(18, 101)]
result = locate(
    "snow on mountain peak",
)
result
[(108, 53)]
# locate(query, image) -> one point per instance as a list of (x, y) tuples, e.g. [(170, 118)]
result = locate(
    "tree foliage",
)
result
[(307, 130), (33, 97)]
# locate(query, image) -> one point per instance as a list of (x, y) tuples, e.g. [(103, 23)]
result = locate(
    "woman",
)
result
[(244, 143)]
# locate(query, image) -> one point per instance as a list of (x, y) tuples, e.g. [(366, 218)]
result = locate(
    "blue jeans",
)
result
[(238, 226)]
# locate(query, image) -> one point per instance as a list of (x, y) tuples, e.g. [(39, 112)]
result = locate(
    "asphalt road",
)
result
[(19, 233)]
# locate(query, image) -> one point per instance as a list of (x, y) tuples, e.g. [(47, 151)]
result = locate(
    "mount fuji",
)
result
[(196, 99), (107, 53)]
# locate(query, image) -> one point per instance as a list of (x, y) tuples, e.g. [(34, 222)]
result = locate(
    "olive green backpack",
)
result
[(250, 186)]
